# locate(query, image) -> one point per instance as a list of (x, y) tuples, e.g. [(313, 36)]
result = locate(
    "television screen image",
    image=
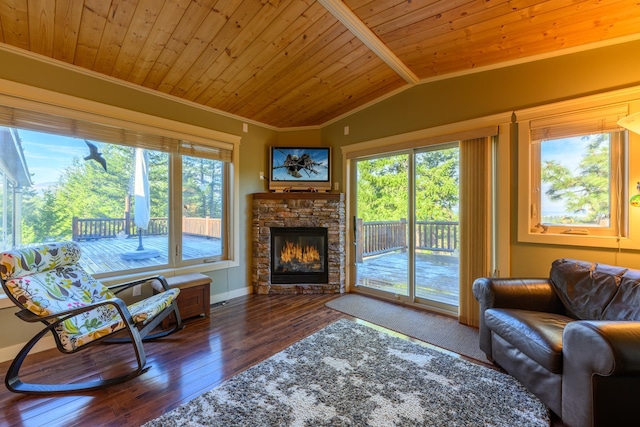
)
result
[(298, 167)]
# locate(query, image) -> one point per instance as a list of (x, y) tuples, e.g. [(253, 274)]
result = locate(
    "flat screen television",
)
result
[(300, 169)]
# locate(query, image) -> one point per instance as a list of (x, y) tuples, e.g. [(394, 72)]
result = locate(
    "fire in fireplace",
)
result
[(299, 255)]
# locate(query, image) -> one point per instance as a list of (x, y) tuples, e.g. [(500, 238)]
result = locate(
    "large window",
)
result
[(6, 215), (13, 177), (577, 182), (573, 175), (137, 198), (203, 203)]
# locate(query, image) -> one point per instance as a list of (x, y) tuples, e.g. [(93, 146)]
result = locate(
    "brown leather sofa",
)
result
[(572, 339)]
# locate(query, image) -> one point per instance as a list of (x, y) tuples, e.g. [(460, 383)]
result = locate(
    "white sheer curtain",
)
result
[(475, 222)]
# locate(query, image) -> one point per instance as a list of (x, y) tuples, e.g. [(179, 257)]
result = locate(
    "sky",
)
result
[(567, 152), (48, 155)]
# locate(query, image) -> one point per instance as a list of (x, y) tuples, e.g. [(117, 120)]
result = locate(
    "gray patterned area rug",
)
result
[(349, 374)]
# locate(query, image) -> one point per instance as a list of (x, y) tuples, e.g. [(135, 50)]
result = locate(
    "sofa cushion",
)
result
[(537, 334), (585, 288), (625, 304)]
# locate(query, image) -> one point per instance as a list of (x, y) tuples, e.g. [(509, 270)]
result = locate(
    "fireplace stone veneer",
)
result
[(298, 210)]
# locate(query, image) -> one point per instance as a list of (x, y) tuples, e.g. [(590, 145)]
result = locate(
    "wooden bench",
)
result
[(194, 298)]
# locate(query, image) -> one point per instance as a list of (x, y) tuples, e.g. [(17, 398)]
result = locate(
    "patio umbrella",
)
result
[(141, 193)]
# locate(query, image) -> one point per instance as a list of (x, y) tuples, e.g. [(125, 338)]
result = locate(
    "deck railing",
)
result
[(441, 236), (101, 228), (210, 227), (379, 237), (373, 238)]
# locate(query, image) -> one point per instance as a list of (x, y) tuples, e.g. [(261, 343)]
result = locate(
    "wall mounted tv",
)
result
[(300, 169)]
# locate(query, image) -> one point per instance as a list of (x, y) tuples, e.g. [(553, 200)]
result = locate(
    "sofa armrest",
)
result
[(601, 372), (534, 294), (523, 294), (605, 347)]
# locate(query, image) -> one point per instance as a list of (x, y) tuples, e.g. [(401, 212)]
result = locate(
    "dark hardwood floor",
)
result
[(184, 365)]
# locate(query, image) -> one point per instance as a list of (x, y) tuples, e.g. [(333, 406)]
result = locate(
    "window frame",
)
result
[(16, 95), (628, 234), (617, 156)]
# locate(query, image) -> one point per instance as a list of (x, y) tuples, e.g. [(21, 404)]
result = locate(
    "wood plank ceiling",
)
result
[(290, 63)]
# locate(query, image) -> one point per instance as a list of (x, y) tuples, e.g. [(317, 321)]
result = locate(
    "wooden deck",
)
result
[(437, 276), (103, 255)]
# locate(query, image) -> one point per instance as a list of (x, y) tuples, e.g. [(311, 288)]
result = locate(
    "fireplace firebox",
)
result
[(299, 255)]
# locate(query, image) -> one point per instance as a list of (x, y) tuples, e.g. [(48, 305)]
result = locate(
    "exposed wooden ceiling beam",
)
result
[(349, 19)]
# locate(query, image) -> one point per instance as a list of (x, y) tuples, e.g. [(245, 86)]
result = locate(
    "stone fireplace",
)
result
[(298, 243)]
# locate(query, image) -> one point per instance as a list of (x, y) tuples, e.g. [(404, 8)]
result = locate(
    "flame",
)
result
[(292, 252)]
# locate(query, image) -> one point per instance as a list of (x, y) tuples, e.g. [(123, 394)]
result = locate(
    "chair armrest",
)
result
[(120, 305), (601, 371)]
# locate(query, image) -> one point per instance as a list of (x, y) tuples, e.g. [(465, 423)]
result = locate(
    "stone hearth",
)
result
[(298, 210)]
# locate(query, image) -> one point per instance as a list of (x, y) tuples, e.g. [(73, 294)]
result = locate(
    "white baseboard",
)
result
[(46, 343), (9, 353), (231, 295)]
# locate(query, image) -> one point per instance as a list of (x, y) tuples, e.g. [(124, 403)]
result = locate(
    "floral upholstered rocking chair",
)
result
[(49, 286)]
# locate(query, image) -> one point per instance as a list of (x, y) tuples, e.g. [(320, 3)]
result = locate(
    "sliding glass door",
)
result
[(437, 231), (406, 226), (381, 224)]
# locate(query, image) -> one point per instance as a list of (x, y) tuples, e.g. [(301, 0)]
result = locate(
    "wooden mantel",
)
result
[(301, 195)]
